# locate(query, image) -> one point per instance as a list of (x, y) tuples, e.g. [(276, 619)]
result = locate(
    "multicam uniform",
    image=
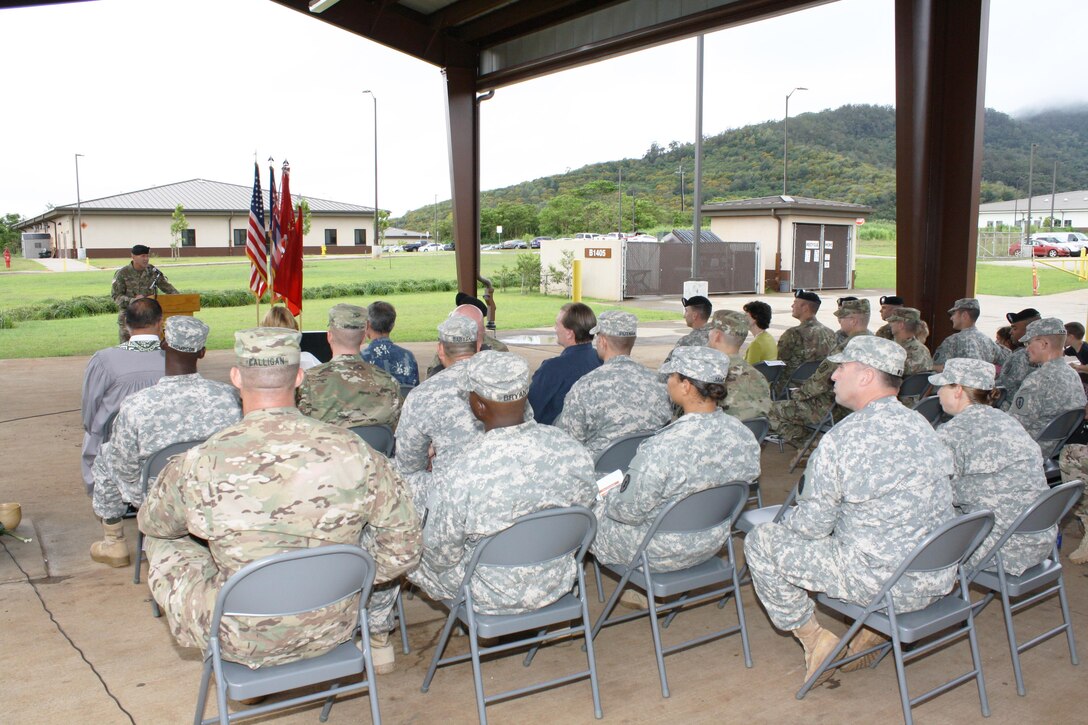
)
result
[(918, 357), (112, 375), (858, 517), (970, 343), (347, 391), (1073, 463), (697, 452), (1049, 391), (809, 341), (997, 466), (274, 482), (517, 470), (748, 395), (619, 398), (129, 282), (178, 408), (885, 331)]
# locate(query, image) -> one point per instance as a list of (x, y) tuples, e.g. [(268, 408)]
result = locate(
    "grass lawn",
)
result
[(417, 317), (878, 247), (20, 264), (1002, 279)]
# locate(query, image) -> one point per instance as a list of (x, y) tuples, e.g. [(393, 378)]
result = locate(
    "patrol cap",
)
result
[(807, 296), (967, 303), (467, 299), (906, 314), (186, 334), (265, 347), (731, 322), (876, 352), (1045, 326), (891, 300), (966, 371), (141, 249), (499, 376), (458, 329), (704, 364), (615, 323), (347, 317), (852, 306), (1029, 313)]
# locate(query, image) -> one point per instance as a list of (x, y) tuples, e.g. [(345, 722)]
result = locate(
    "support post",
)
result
[(463, 126)]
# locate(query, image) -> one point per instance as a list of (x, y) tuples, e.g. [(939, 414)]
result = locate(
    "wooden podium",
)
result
[(178, 305)]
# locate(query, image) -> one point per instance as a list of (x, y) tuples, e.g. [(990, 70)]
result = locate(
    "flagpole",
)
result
[(269, 242)]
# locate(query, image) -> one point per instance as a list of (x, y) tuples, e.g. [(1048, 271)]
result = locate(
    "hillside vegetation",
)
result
[(845, 154)]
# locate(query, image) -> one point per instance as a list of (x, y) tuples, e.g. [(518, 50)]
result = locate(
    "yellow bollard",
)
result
[(322, 250), (576, 284)]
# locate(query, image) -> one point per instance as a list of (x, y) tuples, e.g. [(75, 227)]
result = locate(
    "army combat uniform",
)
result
[(1049, 391), (348, 391), (1074, 467), (1014, 371), (129, 282), (971, 343)]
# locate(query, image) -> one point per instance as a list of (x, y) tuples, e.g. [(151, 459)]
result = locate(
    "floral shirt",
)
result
[(393, 359)]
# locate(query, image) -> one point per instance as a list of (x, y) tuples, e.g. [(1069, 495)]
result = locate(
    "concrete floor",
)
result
[(107, 617)]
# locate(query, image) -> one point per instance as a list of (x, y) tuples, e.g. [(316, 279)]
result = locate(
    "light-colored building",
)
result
[(394, 235), (218, 217), (1068, 208), (804, 243)]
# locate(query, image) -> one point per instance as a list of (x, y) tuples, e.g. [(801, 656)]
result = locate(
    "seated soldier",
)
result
[(905, 323), (618, 398), (393, 359), (697, 311), (274, 482), (808, 341), (1016, 366), (1074, 467), (520, 468), (182, 406), (968, 340), (348, 391), (475, 310), (747, 393), (702, 449), (889, 305)]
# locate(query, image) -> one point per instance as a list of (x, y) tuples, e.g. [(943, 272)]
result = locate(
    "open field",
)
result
[(1004, 279)]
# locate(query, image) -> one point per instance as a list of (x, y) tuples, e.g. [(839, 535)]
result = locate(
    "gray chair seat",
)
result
[(499, 625), (913, 626), (378, 437), (752, 518), (243, 683), (1035, 577), (711, 572)]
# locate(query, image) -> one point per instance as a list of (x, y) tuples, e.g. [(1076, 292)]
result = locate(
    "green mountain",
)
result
[(846, 154)]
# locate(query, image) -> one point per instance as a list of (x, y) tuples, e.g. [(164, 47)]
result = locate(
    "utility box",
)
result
[(696, 288)]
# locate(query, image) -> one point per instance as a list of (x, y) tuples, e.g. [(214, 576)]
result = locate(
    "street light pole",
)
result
[(79, 205), (1031, 174), (377, 214), (786, 140), (681, 172)]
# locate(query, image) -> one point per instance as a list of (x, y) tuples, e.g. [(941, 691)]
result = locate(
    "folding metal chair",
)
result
[(931, 409), (618, 456), (1045, 512), (914, 386), (751, 518), (950, 545), (1054, 436), (290, 583), (771, 372), (405, 389), (107, 427), (696, 512), (540, 537), (378, 437), (826, 424), (803, 372), (759, 427)]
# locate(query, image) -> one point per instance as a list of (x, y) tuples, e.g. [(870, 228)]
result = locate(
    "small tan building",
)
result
[(218, 217), (805, 243)]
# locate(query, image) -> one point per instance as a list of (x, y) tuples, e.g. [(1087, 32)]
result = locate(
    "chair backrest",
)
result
[(107, 427), (930, 408), (618, 455), (702, 510), (1045, 511), (914, 385), (759, 427), (804, 371), (378, 437), (295, 582), (1061, 428), (157, 461), (950, 544), (790, 499), (539, 537), (771, 372)]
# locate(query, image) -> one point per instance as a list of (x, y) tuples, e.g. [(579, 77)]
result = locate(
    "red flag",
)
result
[(288, 280)]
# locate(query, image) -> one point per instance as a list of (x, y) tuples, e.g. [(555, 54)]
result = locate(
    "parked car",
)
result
[(448, 247), (391, 249), (514, 244), (535, 244), (1073, 241), (1040, 248), (412, 246), (431, 247), (488, 247), (586, 235)]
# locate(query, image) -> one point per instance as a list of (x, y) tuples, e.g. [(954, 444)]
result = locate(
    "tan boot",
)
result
[(818, 643), (634, 599), (381, 651), (862, 641), (1080, 556), (112, 551)]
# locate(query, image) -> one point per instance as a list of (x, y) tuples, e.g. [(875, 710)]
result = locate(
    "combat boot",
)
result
[(381, 652), (818, 643), (862, 641), (1080, 556), (112, 551)]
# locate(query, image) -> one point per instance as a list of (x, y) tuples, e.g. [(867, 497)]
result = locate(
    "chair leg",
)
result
[(477, 674), (371, 676), (804, 449), (591, 656), (1068, 624), (610, 605), (221, 694), (745, 647), (656, 632), (597, 576), (202, 693), (1014, 650), (327, 707), (155, 611), (976, 660), (402, 623), (533, 650), (900, 670), (139, 556), (443, 640)]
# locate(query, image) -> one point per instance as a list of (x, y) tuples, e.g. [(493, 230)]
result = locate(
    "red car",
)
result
[(1041, 249)]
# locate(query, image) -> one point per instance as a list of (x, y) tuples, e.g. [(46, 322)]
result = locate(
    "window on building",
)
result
[(330, 237), (989, 225), (1069, 223), (188, 238), (360, 237), (239, 237)]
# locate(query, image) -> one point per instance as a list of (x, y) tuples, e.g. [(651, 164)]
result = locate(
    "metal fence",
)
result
[(661, 268), (995, 245)]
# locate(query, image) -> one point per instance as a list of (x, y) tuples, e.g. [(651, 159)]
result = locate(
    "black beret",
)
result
[(141, 249), (891, 300), (1029, 313), (466, 299), (807, 296), (697, 300)]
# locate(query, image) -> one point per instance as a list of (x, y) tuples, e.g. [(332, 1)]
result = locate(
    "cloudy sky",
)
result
[(158, 91)]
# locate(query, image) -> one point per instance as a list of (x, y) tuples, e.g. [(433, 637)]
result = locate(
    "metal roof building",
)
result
[(1069, 209)]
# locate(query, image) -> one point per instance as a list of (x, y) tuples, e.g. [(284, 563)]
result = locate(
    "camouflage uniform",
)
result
[(970, 343), (809, 341), (129, 282), (274, 482), (1074, 467), (1014, 371), (1049, 391), (997, 466), (619, 398), (857, 518), (490, 343), (177, 408), (698, 451), (516, 471), (111, 376), (748, 395), (348, 391), (695, 338), (808, 404), (885, 331), (918, 357)]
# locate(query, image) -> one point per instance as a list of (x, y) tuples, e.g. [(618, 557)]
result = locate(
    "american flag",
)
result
[(255, 244)]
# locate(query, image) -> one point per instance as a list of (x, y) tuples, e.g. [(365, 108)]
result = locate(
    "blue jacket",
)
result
[(555, 377)]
